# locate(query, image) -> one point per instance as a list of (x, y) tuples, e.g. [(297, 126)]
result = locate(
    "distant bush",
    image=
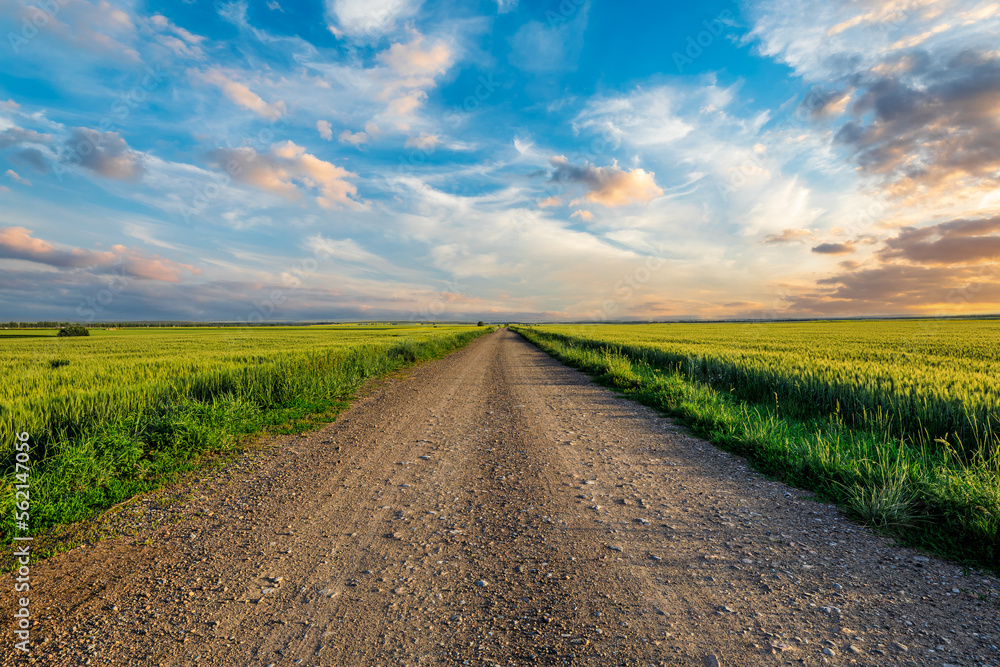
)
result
[(480, 323), (74, 330)]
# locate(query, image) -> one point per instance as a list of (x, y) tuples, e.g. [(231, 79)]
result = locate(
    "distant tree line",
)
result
[(48, 324)]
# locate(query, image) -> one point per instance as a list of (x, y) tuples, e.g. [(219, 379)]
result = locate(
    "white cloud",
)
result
[(353, 138), (325, 129), (180, 41), (96, 28), (781, 206), (368, 19), (551, 46), (909, 90), (415, 63), (643, 118), (425, 142)]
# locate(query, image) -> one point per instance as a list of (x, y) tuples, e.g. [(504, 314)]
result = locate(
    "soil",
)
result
[(497, 508)]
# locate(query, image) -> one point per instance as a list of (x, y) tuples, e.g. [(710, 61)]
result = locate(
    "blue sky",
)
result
[(504, 159)]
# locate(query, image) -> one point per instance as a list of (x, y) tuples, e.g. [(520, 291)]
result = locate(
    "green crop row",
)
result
[(927, 382), (121, 413)]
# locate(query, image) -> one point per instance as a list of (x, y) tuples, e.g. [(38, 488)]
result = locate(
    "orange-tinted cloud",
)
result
[(240, 94), (412, 68), (287, 169), (609, 186), (17, 178), (789, 236), (413, 60), (947, 268), (18, 243), (903, 289)]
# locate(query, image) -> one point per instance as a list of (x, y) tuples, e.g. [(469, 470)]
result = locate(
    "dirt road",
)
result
[(497, 508)]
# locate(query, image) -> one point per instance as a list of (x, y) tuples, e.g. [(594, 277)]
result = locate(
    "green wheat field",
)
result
[(123, 411), (899, 420)]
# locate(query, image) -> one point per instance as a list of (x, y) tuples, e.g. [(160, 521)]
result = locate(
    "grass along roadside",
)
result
[(929, 497), (95, 454)]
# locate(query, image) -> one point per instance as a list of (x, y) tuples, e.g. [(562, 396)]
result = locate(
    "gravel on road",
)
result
[(497, 508)]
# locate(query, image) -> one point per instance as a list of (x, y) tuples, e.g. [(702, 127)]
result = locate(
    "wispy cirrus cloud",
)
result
[(241, 94), (553, 45), (14, 136), (17, 178)]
